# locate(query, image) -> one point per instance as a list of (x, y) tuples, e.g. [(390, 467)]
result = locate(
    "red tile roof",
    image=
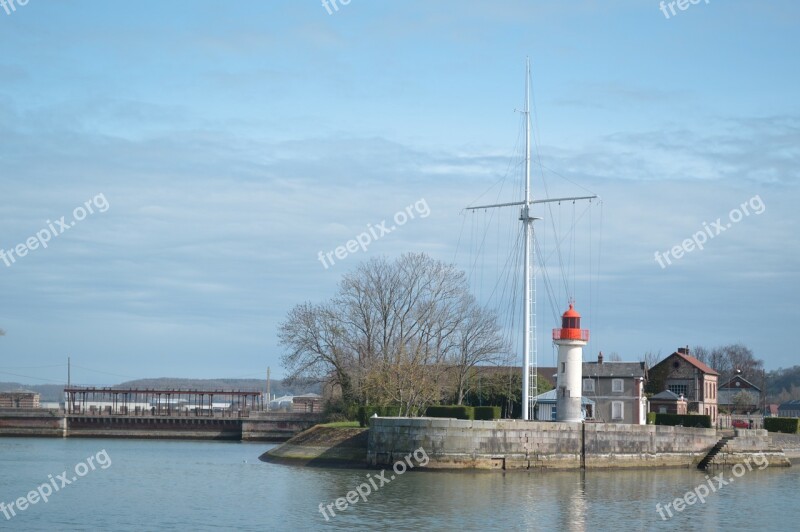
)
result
[(696, 363)]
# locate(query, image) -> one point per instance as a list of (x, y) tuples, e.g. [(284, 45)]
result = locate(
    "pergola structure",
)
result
[(166, 402)]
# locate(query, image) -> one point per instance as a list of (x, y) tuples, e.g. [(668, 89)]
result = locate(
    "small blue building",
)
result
[(545, 409)]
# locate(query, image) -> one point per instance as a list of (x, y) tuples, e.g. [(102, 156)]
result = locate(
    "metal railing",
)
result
[(571, 334)]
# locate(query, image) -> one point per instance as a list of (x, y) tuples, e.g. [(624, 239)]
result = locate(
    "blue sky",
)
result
[(235, 140)]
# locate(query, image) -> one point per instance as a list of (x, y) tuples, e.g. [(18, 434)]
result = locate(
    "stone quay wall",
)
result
[(740, 450), (514, 444), (32, 422), (277, 426), (259, 426)]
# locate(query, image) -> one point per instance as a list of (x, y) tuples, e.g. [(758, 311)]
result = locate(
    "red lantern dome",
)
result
[(571, 327)]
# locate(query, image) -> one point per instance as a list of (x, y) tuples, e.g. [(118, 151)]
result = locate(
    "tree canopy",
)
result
[(400, 332)]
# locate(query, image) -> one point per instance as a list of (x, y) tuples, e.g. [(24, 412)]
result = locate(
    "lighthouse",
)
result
[(570, 339)]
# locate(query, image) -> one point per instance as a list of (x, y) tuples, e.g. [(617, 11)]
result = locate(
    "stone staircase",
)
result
[(713, 452)]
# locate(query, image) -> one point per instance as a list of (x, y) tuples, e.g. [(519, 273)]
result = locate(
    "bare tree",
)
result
[(650, 359), (479, 342), (316, 348), (390, 332), (727, 359)]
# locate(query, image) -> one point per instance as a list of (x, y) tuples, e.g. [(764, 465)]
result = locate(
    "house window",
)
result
[(563, 367), (588, 385), (662, 409), (553, 414), (617, 410), (616, 385), (678, 389)]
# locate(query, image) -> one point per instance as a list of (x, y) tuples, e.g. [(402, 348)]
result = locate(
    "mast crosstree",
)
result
[(530, 378)]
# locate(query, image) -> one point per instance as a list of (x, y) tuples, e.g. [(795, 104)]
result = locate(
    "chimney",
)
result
[(683, 350), (600, 358)]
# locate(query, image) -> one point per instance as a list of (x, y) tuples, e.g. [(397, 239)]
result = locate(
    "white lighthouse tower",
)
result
[(570, 339)]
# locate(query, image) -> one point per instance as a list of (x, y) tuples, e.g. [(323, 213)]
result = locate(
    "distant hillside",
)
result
[(55, 392), (783, 384), (276, 386)]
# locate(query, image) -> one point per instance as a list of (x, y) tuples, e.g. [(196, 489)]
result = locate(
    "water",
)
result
[(171, 485)]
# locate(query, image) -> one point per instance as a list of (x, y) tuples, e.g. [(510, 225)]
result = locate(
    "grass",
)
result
[(342, 425)]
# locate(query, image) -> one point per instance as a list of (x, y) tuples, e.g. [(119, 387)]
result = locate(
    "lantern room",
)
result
[(571, 319), (571, 327)]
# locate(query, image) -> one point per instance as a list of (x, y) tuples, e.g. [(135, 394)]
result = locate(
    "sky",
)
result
[(204, 153)]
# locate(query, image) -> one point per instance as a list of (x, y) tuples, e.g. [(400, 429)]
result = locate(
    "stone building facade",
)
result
[(19, 399), (683, 374)]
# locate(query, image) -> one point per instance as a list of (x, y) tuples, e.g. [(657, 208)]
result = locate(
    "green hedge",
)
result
[(487, 412), (456, 411), (687, 420), (366, 412), (789, 425), (651, 418)]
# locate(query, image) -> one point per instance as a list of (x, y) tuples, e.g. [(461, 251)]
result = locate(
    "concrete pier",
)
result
[(256, 426)]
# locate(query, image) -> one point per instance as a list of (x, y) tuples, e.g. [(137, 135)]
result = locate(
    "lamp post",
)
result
[(730, 397)]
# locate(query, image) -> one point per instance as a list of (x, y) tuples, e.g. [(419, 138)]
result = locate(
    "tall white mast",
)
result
[(527, 221), (529, 390)]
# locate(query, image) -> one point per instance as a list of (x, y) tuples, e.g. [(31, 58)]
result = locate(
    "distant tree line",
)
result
[(783, 384)]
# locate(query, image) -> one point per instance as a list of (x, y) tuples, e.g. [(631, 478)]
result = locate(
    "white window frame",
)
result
[(620, 406), (588, 385), (617, 385), (678, 389)]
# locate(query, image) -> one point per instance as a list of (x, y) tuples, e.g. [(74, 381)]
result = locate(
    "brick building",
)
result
[(683, 374), (19, 399)]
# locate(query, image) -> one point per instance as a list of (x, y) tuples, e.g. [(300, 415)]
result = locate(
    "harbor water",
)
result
[(187, 485)]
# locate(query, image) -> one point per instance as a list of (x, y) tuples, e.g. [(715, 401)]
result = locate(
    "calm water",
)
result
[(166, 485)]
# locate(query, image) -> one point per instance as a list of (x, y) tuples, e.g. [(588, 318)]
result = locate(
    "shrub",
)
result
[(651, 418), (687, 420), (454, 411), (337, 410), (487, 412), (789, 425), (366, 412), (336, 417)]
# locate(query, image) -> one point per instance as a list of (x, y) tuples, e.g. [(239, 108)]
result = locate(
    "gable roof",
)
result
[(729, 384), (689, 359), (19, 391), (666, 395), (614, 369)]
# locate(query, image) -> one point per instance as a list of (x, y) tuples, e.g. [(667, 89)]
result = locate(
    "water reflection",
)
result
[(208, 486)]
